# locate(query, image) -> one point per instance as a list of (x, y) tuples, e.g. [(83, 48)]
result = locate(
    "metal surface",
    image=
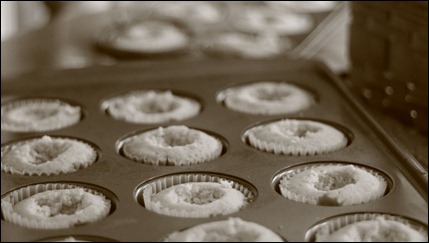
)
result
[(369, 146)]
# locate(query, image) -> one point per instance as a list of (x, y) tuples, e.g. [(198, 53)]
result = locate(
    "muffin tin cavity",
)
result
[(175, 145), (297, 136), (152, 106), (323, 228), (47, 155), (62, 210), (195, 195), (332, 184), (39, 114)]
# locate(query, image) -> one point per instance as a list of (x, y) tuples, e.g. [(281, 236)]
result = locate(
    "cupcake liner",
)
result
[(246, 20), (194, 14), (267, 98), (55, 166), (276, 148), (328, 140), (155, 187), (18, 195), (323, 230), (68, 116), (331, 197), (127, 107), (237, 44), (176, 39), (70, 239), (230, 230), (262, 109), (76, 238), (202, 158), (129, 35), (202, 149), (304, 6)]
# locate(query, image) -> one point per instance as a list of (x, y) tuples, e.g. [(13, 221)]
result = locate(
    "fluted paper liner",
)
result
[(152, 188), (70, 115), (281, 149), (204, 14), (73, 165), (205, 156), (252, 46), (131, 112), (76, 238), (293, 23), (230, 230), (315, 201), (295, 145), (16, 196), (203, 149), (321, 231), (243, 99)]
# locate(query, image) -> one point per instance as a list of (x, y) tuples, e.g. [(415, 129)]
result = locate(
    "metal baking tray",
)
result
[(121, 178), (200, 32)]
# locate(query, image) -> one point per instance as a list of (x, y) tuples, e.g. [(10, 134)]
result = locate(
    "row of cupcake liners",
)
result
[(170, 180), (226, 162), (121, 203), (282, 159), (283, 167), (124, 177), (104, 102), (120, 141), (325, 225)]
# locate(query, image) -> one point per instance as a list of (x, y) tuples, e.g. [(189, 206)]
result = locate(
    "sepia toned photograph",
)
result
[(214, 121)]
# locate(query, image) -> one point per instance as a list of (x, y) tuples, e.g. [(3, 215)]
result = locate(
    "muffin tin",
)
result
[(369, 146), (201, 33)]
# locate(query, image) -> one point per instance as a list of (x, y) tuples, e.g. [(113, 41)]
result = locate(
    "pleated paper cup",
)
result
[(154, 187), (151, 106), (18, 157), (341, 196), (11, 199), (296, 137), (321, 231), (229, 230), (172, 146), (38, 115)]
